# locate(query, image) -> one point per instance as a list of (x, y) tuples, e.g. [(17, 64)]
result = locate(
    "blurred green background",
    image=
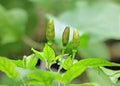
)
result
[(23, 24)]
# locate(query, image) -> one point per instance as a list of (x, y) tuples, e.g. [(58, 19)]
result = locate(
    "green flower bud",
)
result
[(76, 38), (50, 32), (65, 36)]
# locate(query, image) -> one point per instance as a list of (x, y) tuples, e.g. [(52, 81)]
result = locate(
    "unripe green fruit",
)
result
[(65, 36), (76, 38), (50, 32)]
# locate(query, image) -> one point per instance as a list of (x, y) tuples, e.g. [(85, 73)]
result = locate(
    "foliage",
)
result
[(19, 18), (38, 76), (26, 73), (4, 66)]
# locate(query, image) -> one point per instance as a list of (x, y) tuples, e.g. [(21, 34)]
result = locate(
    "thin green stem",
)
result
[(74, 53), (50, 43), (23, 82), (25, 66), (49, 67), (63, 51)]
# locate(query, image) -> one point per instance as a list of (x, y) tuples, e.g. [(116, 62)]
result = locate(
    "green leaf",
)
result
[(114, 75), (67, 63), (43, 77), (19, 63), (79, 67), (48, 53), (30, 61), (8, 67), (72, 73), (100, 78), (39, 54), (57, 58)]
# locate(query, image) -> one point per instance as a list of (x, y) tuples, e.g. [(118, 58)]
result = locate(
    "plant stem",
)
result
[(49, 67), (23, 82), (74, 52), (63, 51), (50, 43), (25, 66)]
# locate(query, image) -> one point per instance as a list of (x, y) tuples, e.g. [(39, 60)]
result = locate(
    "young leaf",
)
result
[(56, 58), (78, 68), (8, 67), (41, 77), (31, 61), (48, 53), (39, 54), (19, 63), (67, 63)]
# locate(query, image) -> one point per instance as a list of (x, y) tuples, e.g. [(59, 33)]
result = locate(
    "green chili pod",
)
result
[(50, 32), (65, 36), (76, 38)]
